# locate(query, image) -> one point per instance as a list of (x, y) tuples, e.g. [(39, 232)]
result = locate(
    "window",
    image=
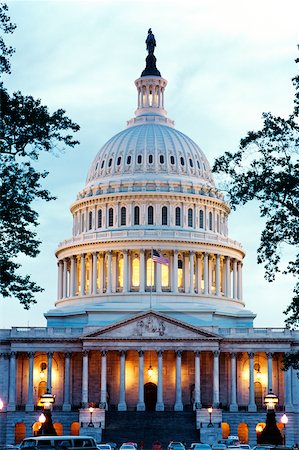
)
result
[(182, 161), (123, 216), (136, 215), (99, 218), (102, 165), (150, 272), (110, 217), (210, 221), (201, 218), (119, 160), (82, 223), (180, 274), (135, 272), (191, 162), (190, 217), (177, 217), (139, 159), (161, 159), (165, 276), (129, 159), (150, 215), (90, 220), (150, 159), (198, 165), (120, 272), (164, 215), (172, 160), (110, 162)]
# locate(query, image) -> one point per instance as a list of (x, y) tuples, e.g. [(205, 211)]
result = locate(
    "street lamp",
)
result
[(210, 410), (284, 419), (90, 420), (1, 404), (271, 433), (47, 428)]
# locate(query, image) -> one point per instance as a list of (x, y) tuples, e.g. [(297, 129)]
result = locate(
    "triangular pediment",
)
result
[(151, 325)]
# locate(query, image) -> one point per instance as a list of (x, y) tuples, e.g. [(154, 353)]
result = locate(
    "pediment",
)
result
[(153, 326)]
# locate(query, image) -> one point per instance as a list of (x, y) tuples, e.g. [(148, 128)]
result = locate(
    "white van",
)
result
[(58, 442)]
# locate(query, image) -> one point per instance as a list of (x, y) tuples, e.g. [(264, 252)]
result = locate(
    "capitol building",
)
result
[(149, 322)]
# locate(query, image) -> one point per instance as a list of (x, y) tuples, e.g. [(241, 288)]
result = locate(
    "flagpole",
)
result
[(152, 263)]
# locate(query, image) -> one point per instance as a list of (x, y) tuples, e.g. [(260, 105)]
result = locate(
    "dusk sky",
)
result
[(226, 63)]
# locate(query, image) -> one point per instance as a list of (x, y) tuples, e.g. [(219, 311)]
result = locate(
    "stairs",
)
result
[(150, 426)]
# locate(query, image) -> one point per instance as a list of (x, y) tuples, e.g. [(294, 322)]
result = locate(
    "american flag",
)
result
[(159, 259)]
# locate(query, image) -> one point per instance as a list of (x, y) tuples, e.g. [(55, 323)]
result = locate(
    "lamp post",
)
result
[(90, 419), (47, 428), (1, 404), (210, 410), (271, 433), (284, 419)]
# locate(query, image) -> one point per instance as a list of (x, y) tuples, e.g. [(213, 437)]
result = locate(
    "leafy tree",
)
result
[(26, 129), (265, 168)]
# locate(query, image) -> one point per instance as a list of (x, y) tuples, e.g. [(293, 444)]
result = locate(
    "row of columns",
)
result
[(178, 406), (227, 282)]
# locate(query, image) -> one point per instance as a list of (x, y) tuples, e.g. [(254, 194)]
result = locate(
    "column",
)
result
[(94, 273), (141, 404), (288, 390), (158, 277), (12, 383), (85, 379), (142, 272), (227, 281), (49, 372), (67, 377), (233, 404), (191, 270), (218, 275), (125, 280), (206, 273), (73, 277), (82, 276), (101, 281), (269, 364), (122, 406), (64, 282), (30, 404), (199, 274), (175, 271), (235, 278), (197, 399), (160, 403), (216, 379), (109, 264), (240, 281), (104, 378), (251, 405), (59, 292), (178, 382)]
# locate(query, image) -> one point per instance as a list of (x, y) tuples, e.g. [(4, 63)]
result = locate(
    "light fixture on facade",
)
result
[(257, 368), (150, 370), (270, 400), (43, 367), (47, 400)]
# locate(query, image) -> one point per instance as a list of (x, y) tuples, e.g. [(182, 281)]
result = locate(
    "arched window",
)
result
[(139, 159), (190, 217), (172, 160), (129, 160), (110, 217), (150, 273), (225, 430), (58, 428), (191, 162), (20, 432), (123, 216), (135, 272), (100, 218), (258, 394), (150, 215), (201, 219), (182, 161), (210, 221), (180, 273), (136, 215), (102, 165), (164, 215), (150, 159), (75, 429), (120, 272), (119, 160), (243, 432), (178, 217), (110, 162), (165, 276), (90, 220), (161, 159)]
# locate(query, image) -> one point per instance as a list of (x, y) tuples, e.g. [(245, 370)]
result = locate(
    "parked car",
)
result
[(104, 447), (245, 446), (59, 442), (201, 447), (175, 446), (157, 445), (127, 446), (219, 446)]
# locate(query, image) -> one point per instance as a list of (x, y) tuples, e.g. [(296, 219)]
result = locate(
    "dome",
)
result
[(148, 150)]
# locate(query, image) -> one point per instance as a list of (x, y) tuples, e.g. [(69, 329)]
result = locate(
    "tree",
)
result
[(265, 168), (26, 129)]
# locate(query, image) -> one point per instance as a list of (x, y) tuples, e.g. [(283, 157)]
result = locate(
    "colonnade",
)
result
[(122, 403), (126, 271)]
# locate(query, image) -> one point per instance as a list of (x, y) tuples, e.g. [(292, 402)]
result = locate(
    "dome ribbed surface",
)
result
[(150, 149)]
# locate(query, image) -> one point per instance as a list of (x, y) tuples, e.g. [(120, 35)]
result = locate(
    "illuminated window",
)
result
[(110, 217), (75, 429), (164, 215), (190, 217), (225, 430), (123, 216), (120, 271), (135, 272), (58, 428), (210, 221), (178, 217), (90, 220), (243, 433), (150, 215), (201, 218), (99, 218), (87, 272), (180, 273), (78, 275), (136, 215), (99, 273), (150, 272), (165, 276), (106, 272), (20, 432)]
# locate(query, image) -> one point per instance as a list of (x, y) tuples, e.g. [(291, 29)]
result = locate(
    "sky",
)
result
[(226, 63)]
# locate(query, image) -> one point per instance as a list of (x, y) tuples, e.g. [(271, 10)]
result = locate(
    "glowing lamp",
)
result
[(42, 418), (1, 404), (47, 400), (270, 400), (150, 371), (284, 419)]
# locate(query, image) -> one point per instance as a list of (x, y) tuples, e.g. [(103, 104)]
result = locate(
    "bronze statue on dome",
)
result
[(150, 42)]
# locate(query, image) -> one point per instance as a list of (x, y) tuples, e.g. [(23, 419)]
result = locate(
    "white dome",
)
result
[(142, 152)]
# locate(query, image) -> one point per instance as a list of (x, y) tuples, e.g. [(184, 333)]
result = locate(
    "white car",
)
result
[(104, 447), (127, 447)]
